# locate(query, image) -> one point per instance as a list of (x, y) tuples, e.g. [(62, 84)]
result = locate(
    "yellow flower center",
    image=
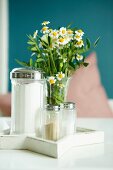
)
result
[(55, 33), (79, 56), (61, 40), (63, 31), (80, 31), (60, 76), (79, 42), (77, 36), (44, 29), (70, 32), (51, 81)]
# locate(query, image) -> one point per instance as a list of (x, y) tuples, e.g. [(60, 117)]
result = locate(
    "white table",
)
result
[(98, 156)]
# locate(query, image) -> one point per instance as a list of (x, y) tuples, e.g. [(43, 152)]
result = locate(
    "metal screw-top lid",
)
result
[(67, 105), (23, 73), (51, 107)]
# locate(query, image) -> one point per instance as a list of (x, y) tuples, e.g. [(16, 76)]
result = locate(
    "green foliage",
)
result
[(88, 44), (57, 54), (22, 63)]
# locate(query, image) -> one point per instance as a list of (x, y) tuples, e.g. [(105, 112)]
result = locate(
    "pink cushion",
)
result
[(5, 104), (87, 92)]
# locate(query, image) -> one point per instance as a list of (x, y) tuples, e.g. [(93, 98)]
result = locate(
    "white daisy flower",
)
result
[(60, 76), (35, 34), (79, 44), (77, 37), (51, 80), (79, 32), (62, 31), (54, 34), (68, 38), (45, 22), (79, 57), (45, 30), (62, 41)]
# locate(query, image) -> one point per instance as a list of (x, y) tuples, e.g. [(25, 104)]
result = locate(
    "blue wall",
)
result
[(94, 16)]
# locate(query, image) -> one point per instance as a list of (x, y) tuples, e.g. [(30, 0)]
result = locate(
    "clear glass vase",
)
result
[(56, 93)]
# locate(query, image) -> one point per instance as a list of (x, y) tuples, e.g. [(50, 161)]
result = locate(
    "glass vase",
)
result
[(56, 93)]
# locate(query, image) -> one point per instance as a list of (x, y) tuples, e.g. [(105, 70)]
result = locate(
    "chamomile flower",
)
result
[(51, 80), (45, 30), (79, 57), (35, 34), (79, 44), (54, 34), (69, 31), (60, 76), (79, 32), (45, 22), (61, 85), (62, 41), (62, 31), (77, 37)]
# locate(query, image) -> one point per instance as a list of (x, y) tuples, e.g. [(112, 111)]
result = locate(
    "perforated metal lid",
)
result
[(51, 107), (23, 73), (67, 105)]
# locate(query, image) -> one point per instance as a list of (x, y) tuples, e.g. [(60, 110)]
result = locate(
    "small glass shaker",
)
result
[(51, 123), (69, 115)]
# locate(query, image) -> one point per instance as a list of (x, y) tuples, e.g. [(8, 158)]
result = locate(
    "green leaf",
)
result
[(40, 60), (71, 66), (30, 37), (31, 43), (49, 40), (31, 62), (74, 29), (36, 64), (61, 65), (43, 41), (68, 26), (96, 42), (88, 44), (85, 64), (33, 49), (22, 63)]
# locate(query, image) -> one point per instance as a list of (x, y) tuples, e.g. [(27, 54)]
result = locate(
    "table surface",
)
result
[(96, 156)]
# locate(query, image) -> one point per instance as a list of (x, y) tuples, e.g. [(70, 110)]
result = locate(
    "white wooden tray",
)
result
[(50, 148)]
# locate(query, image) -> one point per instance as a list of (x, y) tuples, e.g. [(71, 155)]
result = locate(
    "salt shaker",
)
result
[(51, 123), (69, 115), (28, 91)]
